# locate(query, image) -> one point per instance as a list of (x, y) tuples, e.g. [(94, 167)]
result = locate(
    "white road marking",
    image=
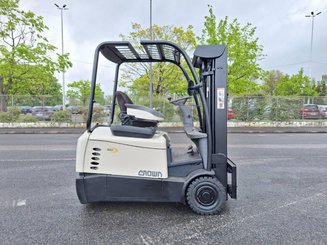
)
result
[(264, 146), (310, 198), (281, 146), (242, 220), (38, 160), (19, 202), (37, 147), (146, 240), (34, 198)]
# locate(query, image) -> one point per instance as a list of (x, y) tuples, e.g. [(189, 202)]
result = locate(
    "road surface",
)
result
[(282, 197)]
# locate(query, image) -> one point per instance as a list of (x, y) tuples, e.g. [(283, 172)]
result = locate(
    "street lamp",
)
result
[(151, 37), (312, 16), (62, 53)]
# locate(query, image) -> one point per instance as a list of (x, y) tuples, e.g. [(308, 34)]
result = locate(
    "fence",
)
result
[(27, 100), (274, 108), (244, 109)]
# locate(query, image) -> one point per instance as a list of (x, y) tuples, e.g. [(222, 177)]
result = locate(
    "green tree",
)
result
[(270, 81), (40, 85), (167, 78), (244, 51), (279, 84), (31, 91), (25, 53), (79, 93), (296, 85), (321, 86)]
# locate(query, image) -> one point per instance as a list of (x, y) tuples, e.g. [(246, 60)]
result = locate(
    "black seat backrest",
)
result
[(123, 99)]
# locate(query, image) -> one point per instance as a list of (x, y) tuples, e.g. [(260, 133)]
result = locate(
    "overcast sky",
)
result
[(282, 28)]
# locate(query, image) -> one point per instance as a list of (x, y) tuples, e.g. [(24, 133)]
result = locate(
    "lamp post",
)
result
[(312, 16), (62, 53), (151, 37)]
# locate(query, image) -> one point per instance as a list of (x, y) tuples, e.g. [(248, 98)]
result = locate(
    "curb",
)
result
[(42, 130)]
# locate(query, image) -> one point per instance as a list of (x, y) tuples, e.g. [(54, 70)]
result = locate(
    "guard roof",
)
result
[(150, 51)]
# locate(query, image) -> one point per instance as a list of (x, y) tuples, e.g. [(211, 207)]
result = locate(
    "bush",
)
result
[(62, 116), (275, 108), (27, 119), (284, 109), (5, 117), (14, 113), (11, 116), (249, 108), (98, 116)]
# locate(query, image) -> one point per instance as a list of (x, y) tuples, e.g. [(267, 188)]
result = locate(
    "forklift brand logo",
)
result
[(113, 150), (147, 173)]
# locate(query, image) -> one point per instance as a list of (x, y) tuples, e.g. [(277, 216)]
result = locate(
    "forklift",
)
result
[(134, 161)]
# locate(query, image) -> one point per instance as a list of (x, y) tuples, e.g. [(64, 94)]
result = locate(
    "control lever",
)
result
[(179, 101)]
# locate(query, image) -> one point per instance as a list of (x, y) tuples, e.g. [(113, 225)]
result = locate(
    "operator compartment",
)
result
[(126, 156)]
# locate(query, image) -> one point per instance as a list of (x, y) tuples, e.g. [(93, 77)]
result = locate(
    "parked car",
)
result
[(323, 111), (42, 112), (58, 108), (230, 114), (26, 109), (75, 109), (310, 111)]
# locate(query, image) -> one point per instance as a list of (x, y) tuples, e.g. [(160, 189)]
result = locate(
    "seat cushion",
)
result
[(143, 112)]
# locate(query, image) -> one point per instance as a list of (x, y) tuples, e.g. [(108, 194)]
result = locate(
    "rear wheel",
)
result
[(206, 195)]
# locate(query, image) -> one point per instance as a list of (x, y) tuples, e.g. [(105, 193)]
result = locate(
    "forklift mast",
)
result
[(212, 64)]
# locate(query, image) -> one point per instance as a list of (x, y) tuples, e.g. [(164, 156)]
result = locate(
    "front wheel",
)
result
[(206, 195)]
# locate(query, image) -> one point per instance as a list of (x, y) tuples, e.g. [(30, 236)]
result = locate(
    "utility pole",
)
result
[(151, 37), (312, 16), (62, 53)]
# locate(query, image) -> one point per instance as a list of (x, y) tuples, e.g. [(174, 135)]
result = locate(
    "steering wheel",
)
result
[(180, 101)]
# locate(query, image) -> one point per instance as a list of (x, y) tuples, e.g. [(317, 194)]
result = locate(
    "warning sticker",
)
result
[(220, 98)]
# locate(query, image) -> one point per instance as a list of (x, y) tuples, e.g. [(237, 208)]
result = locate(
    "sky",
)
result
[(282, 28)]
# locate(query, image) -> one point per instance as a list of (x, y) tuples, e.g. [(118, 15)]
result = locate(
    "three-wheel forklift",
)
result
[(134, 161)]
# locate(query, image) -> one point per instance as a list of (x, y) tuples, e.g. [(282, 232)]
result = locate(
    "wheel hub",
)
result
[(206, 195)]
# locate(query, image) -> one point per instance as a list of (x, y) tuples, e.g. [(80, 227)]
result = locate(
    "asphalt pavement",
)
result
[(282, 197), (80, 130)]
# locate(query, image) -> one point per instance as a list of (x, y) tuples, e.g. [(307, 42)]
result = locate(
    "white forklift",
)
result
[(133, 161)]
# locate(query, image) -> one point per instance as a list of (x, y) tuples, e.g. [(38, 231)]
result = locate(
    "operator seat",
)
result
[(124, 101), (137, 121)]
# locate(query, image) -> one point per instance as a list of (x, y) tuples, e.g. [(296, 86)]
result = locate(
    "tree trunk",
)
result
[(3, 103), (3, 97)]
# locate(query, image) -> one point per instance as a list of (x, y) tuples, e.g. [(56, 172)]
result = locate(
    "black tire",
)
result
[(206, 195)]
